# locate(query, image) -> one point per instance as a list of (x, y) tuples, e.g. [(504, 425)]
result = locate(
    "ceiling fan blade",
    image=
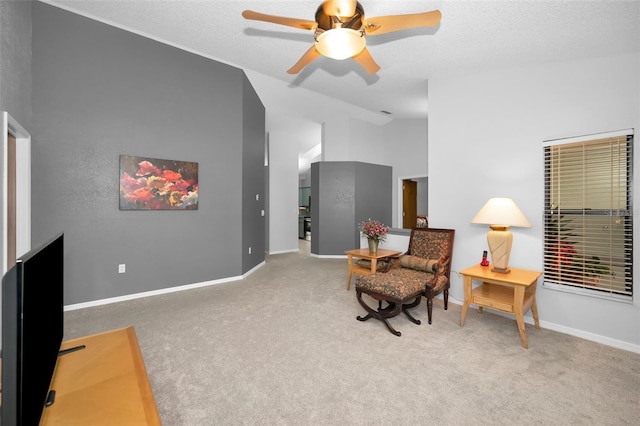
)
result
[(308, 57), (339, 7), (386, 24), (289, 22), (366, 61)]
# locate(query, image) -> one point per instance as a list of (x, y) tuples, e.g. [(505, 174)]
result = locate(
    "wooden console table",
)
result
[(513, 293), (105, 383), (364, 253)]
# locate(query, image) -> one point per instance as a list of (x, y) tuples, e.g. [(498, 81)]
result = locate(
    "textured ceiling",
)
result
[(473, 36)]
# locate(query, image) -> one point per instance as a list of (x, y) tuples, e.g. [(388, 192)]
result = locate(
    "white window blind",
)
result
[(588, 234)]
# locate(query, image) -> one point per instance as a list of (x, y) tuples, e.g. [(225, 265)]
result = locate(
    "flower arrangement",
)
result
[(373, 230)]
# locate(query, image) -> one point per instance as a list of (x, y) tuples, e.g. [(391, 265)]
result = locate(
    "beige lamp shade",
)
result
[(501, 211), (500, 214)]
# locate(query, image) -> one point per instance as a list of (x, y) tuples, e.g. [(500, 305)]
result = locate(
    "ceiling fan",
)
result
[(340, 28)]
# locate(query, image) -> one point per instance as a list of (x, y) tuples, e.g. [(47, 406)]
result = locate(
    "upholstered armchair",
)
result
[(423, 270)]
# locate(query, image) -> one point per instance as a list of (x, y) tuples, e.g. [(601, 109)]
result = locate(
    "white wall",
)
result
[(485, 139), (283, 191), (401, 144)]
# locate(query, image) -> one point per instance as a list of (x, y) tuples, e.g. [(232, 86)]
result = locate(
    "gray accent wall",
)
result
[(343, 194), (254, 184), (99, 92), (15, 61)]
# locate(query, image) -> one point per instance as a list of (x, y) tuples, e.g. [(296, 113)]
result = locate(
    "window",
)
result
[(588, 214)]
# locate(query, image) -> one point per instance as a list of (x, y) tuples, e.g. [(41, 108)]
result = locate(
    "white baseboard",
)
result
[(108, 301), (284, 251), (565, 330), (329, 256)]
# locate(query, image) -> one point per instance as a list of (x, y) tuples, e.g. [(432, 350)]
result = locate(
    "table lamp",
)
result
[(500, 214)]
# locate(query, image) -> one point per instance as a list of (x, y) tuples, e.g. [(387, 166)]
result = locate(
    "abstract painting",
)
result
[(155, 184)]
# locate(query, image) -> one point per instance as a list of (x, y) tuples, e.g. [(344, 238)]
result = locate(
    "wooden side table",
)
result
[(513, 293), (364, 253)]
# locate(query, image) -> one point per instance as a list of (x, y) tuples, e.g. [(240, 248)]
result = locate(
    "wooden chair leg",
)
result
[(412, 305), (429, 308), (381, 314)]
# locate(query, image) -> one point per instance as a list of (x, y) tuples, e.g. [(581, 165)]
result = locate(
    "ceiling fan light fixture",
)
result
[(340, 43)]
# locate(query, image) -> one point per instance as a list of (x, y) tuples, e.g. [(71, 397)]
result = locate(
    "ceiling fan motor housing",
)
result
[(328, 22)]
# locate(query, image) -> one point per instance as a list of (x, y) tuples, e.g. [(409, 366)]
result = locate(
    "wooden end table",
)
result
[(513, 293), (364, 253)]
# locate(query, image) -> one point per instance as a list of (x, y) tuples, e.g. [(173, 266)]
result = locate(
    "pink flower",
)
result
[(374, 230), (147, 168)]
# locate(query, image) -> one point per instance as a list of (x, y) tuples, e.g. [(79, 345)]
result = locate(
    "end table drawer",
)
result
[(493, 304), (493, 297)]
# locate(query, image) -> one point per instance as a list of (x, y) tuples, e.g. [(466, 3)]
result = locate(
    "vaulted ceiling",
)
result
[(473, 36)]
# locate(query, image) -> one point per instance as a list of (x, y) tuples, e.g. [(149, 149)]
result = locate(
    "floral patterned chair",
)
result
[(423, 270)]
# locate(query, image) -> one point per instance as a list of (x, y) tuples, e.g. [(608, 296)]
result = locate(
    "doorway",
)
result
[(409, 203), (16, 191), (417, 187)]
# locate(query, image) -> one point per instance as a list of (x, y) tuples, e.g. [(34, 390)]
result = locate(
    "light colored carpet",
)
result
[(283, 347)]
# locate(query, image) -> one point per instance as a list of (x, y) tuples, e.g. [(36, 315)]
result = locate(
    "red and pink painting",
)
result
[(155, 184)]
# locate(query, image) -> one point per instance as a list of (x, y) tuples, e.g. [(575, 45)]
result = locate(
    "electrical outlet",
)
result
[(249, 250), (122, 268), (257, 197)]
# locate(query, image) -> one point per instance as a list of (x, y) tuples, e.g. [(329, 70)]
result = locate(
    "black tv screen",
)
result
[(32, 331)]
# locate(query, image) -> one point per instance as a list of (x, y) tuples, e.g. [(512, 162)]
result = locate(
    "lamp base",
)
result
[(500, 239), (501, 270)]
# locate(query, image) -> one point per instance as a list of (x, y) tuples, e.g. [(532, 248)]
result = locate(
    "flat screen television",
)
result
[(32, 331)]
